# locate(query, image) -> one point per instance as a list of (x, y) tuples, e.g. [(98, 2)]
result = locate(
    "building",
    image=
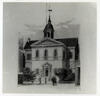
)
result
[(48, 55), (21, 57)]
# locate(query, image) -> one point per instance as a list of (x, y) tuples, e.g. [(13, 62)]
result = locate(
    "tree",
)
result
[(28, 75), (64, 74)]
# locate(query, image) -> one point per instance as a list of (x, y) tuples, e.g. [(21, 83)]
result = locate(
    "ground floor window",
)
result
[(29, 56)]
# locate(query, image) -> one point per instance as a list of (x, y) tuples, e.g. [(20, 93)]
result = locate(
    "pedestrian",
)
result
[(54, 81), (39, 78)]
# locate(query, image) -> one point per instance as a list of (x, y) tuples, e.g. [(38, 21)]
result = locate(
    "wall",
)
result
[(50, 52), (37, 63)]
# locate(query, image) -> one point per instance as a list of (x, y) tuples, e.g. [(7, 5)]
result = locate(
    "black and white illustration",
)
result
[(49, 47), (53, 58)]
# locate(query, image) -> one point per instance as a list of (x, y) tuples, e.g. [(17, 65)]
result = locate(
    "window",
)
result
[(55, 54), (48, 34), (45, 54), (63, 55), (37, 53), (70, 55), (29, 56)]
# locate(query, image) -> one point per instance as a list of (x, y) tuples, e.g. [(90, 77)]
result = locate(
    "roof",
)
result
[(47, 42), (48, 26), (70, 42)]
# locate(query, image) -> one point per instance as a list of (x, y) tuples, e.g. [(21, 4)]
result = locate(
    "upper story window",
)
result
[(37, 53), (45, 54), (72, 53), (63, 55), (29, 56), (55, 54)]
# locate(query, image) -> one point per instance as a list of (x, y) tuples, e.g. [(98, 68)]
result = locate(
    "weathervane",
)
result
[(50, 10)]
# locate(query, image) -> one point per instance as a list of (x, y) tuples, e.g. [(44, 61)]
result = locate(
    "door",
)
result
[(47, 71)]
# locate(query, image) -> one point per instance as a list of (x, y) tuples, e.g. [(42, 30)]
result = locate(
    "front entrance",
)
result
[(47, 71)]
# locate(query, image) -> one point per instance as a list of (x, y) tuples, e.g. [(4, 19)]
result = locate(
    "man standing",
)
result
[(54, 81)]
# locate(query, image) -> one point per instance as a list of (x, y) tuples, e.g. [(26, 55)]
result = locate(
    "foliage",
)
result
[(64, 74), (26, 71), (20, 78), (28, 75)]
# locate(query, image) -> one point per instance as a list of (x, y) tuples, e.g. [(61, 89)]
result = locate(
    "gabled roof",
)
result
[(47, 42), (28, 44), (69, 42)]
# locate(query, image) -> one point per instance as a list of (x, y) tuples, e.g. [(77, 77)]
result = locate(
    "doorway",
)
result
[(47, 71)]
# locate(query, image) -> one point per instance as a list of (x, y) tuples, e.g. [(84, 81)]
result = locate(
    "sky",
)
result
[(29, 19)]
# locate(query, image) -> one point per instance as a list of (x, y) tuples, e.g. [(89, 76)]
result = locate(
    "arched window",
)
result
[(37, 53), (63, 55), (55, 54), (45, 54), (48, 34)]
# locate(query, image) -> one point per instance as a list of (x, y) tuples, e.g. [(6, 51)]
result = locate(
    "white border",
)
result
[(98, 48), (98, 44), (49, 0), (1, 45)]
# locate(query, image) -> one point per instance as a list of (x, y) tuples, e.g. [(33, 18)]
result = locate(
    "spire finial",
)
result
[(50, 10)]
